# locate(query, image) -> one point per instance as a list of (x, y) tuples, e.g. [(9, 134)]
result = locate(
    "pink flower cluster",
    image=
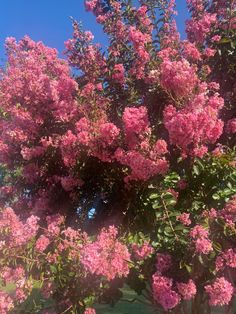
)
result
[(6, 303), (178, 77), (187, 290), (227, 258), (142, 251), (229, 212), (19, 233), (190, 51), (163, 292), (139, 40), (16, 275), (199, 28), (192, 127), (106, 256), (90, 310), (42, 243), (136, 124), (231, 126), (119, 73), (145, 160), (88, 59), (220, 292), (163, 262), (184, 219), (91, 4), (200, 238), (142, 168), (99, 138), (145, 21)]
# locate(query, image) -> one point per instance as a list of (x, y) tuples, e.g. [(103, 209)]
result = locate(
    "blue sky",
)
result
[(48, 21)]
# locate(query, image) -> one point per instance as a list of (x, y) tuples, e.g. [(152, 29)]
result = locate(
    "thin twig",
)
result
[(24, 257), (67, 309), (168, 217)]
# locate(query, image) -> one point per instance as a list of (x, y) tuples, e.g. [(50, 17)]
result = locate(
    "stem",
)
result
[(23, 257), (67, 309), (185, 308), (168, 217)]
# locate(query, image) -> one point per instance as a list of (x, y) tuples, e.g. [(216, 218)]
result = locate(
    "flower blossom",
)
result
[(106, 256), (163, 292), (142, 251), (220, 292), (178, 77), (42, 243), (187, 290)]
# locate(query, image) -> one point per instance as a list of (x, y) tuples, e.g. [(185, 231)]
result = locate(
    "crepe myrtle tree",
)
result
[(122, 173)]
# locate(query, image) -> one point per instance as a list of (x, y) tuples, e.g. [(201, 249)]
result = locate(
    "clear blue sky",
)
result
[(48, 21)]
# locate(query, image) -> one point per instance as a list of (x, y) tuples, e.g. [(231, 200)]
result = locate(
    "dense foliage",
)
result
[(124, 172)]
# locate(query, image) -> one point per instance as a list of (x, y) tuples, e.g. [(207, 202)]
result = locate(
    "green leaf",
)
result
[(217, 247), (188, 268), (196, 170), (200, 259), (156, 205), (153, 196)]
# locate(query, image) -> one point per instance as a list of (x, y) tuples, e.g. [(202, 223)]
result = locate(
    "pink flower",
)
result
[(231, 126), (220, 292), (108, 133), (88, 36), (220, 263), (54, 222), (212, 213), (29, 153), (174, 193), (195, 125), (90, 310), (187, 290), (227, 258), (160, 147), (138, 38), (163, 292), (135, 120), (199, 232), (216, 38), (142, 251), (178, 77), (42, 243), (6, 303), (163, 262), (90, 5), (203, 245), (182, 184), (230, 258), (20, 295), (184, 219), (106, 256), (119, 73), (190, 51), (198, 29), (209, 52), (200, 238), (10, 275), (142, 168)]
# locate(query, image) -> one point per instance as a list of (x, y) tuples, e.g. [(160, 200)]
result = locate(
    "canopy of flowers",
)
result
[(122, 173)]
